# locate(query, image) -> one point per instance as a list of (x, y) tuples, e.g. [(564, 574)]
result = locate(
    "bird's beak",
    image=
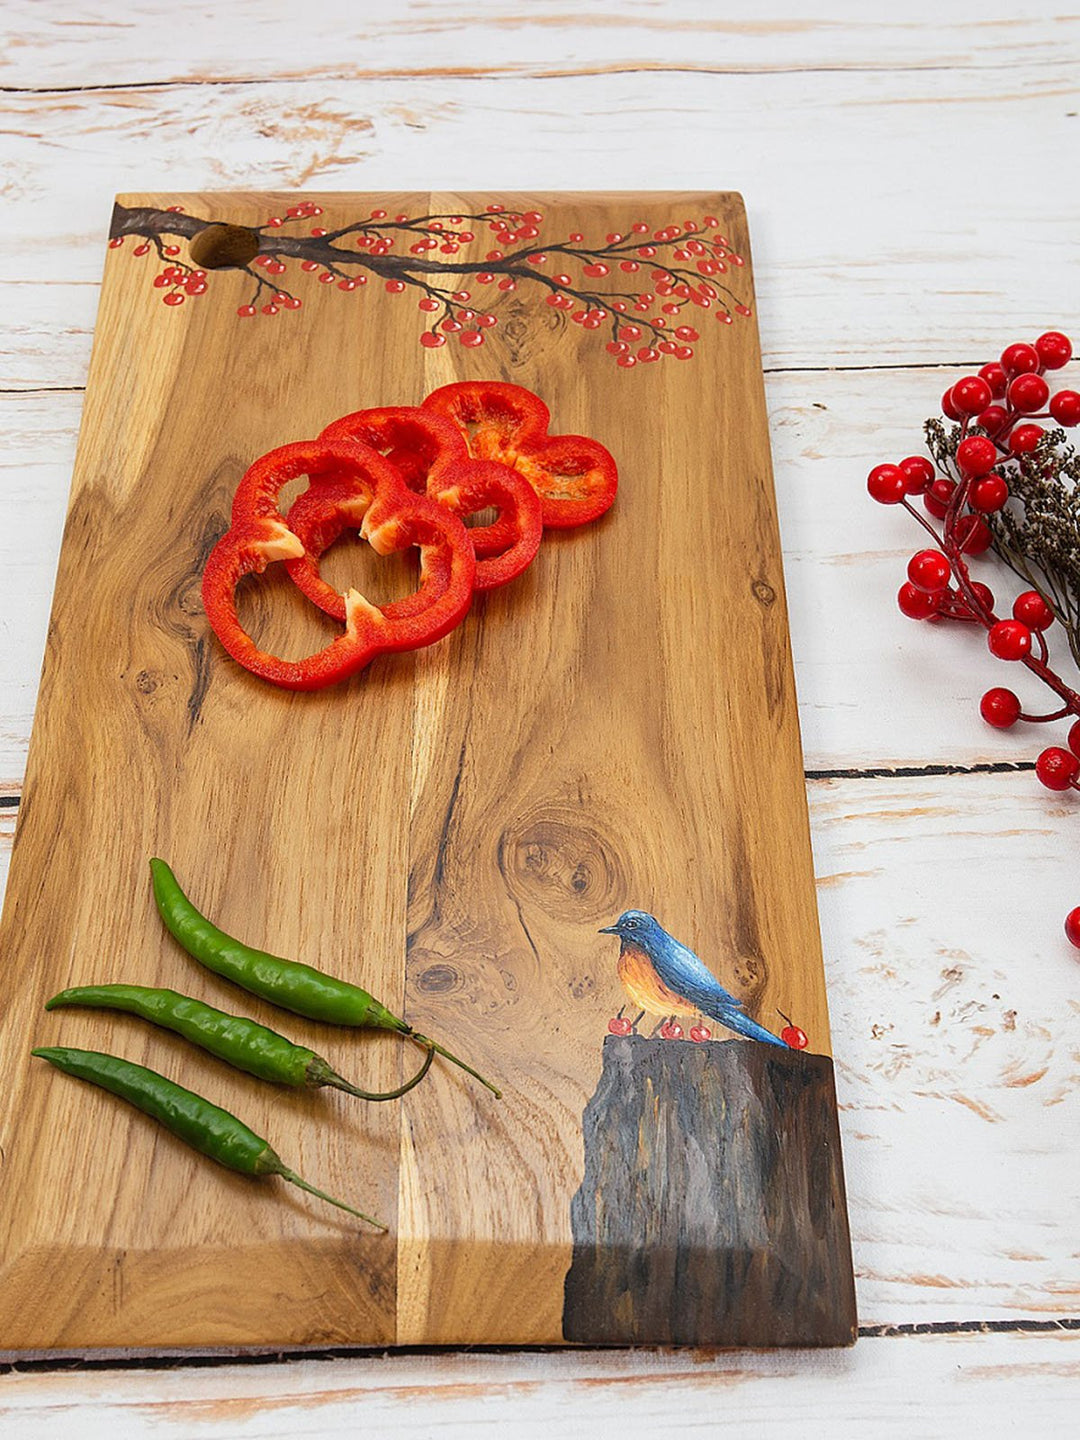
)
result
[(608, 930)]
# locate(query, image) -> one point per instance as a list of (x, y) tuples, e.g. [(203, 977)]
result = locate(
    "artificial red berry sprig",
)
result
[(1001, 481)]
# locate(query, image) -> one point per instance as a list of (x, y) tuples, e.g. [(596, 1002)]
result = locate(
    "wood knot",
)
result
[(147, 681), (565, 867), (223, 247), (763, 593), (439, 980)]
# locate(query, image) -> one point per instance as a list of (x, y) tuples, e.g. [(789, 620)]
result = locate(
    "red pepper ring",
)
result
[(323, 513), (575, 477), (475, 485), (392, 515), (432, 455), (415, 441)]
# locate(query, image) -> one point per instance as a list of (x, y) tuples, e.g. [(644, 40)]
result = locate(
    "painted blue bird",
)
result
[(664, 978)]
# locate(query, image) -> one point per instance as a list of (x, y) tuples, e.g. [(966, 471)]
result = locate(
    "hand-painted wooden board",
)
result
[(518, 838)]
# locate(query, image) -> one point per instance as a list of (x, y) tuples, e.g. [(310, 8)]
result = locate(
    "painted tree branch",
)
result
[(682, 263)]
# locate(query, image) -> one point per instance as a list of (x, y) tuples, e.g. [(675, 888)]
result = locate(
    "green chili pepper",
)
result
[(241, 1043), (286, 983), (205, 1127)]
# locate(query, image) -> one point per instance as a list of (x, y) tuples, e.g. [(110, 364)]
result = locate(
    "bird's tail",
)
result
[(741, 1023)]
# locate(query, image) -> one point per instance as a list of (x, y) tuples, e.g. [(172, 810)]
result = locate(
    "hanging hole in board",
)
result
[(220, 247)]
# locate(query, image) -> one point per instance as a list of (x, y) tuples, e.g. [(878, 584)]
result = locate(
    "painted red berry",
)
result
[(989, 494), (996, 378), (887, 484), (1057, 768), (1024, 439), (918, 472), (246, 310), (971, 394), (1028, 393), (1032, 610), (700, 1033), (1009, 640), (794, 1037), (1065, 407), (976, 455), (431, 341), (1019, 359), (619, 1026), (471, 338), (671, 1030), (1072, 927), (173, 298), (1000, 707), (1054, 349), (917, 604), (269, 309), (929, 571), (395, 287)]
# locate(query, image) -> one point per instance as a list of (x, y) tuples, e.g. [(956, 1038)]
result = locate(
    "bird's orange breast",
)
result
[(646, 989)]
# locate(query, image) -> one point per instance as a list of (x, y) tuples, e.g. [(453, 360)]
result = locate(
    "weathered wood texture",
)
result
[(519, 794), (711, 1211), (876, 108), (935, 1386)]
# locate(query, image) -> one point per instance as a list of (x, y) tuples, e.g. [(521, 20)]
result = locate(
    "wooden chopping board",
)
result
[(615, 730)]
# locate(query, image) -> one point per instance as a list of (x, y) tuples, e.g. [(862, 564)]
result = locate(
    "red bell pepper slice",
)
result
[(392, 518), (331, 505), (432, 456), (575, 477)]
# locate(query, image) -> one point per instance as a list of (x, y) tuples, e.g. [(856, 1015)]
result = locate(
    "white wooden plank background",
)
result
[(910, 178)]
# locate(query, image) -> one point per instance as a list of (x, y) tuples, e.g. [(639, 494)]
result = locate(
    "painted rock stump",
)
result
[(712, 1207)]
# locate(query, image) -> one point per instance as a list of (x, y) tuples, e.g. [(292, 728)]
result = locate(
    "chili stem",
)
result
[(424, 1040), (295, 1179), (339, 1083)]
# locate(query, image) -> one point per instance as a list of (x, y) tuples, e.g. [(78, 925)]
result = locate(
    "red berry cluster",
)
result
[(995, 411), (179, 281)]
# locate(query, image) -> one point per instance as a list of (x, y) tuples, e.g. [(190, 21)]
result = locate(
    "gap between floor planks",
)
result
[(177, 1360)]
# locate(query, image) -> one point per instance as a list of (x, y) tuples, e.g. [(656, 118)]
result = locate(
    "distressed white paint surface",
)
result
[(922, 274), (862, 142), (934, 1387)]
